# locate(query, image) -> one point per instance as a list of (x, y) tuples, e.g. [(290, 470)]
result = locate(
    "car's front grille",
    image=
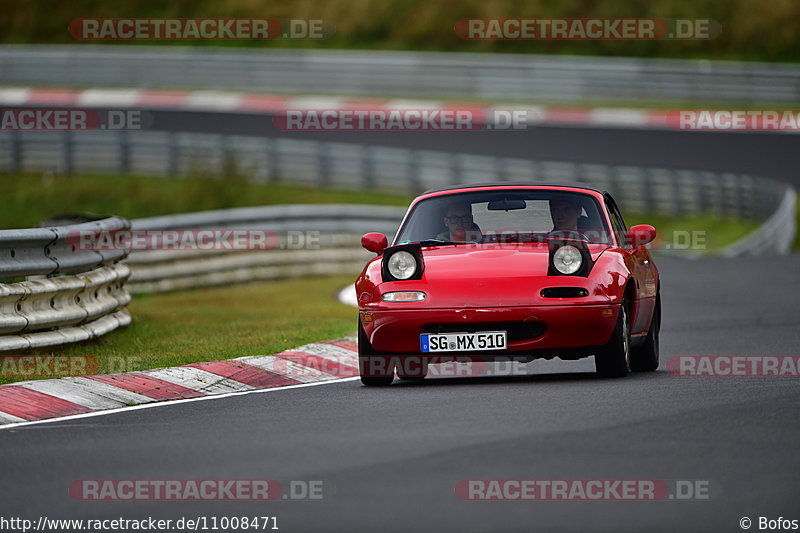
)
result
[(517, 331)]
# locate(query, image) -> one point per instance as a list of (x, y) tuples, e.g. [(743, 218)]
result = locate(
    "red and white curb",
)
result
[(272, 103), (314, 363)]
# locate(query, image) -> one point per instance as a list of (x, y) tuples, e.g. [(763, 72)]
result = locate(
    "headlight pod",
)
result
[(402, 262), (567, 260), (569, 254)]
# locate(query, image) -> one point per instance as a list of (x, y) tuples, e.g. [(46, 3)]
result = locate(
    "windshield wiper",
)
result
[(438, 242)]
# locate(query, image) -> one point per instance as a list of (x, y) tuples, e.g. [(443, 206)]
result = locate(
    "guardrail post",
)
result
[(273, 167), (499, 169), (647, 189), (367, 167), (719, 183), (455, 169), (124, 144), (676, 193), (741, 202), (323, 160), (536, 170), (66, 153), (613, 188), (172, 154), (413, 171), (16, 152)]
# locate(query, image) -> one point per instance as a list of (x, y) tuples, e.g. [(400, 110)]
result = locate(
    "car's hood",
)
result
[(490, 261), (491, 275)]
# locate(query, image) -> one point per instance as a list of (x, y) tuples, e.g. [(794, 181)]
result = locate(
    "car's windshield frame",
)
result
[(605, 236)]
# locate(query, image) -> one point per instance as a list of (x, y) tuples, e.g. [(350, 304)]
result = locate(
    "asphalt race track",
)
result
[(390, 458), (762, 154)]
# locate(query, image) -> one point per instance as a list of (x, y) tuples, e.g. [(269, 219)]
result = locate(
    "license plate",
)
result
[(463, 342)]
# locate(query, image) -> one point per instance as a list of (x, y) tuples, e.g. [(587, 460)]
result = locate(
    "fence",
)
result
[(83, 295), (510, 77)]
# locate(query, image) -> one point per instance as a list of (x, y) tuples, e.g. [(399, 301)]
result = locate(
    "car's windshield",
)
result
[(514, 215)]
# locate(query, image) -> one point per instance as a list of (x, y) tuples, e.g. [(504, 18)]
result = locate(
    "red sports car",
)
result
[(508, 271)]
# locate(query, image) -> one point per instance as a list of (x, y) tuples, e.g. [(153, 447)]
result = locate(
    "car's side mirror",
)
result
[(641, 235), (374, 242)]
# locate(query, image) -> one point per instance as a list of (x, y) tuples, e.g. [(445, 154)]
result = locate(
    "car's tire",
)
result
[(645, 357), (374, 369), (413, 372), (614, 359)]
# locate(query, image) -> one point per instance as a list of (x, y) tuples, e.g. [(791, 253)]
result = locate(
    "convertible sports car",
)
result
[(508, 271)]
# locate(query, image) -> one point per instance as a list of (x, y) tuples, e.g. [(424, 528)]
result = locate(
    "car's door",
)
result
[(640, 264)]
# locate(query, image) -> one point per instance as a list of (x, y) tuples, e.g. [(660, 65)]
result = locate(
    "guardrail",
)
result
[(69, 295), (507, 77), (327, 243), (776, 235)]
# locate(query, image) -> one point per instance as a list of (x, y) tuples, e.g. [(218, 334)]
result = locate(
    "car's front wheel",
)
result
[(375, 370), (645, 357), (614, 359)]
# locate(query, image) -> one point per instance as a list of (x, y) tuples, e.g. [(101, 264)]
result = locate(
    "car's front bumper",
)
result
[(550, 327)]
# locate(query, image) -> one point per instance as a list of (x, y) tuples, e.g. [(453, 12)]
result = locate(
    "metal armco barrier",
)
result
[(69, 295), (776, 235), (326, 242), (497, 77)]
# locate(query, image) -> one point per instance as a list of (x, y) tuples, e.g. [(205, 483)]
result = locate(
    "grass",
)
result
[(31, 198), (220, 323), (702, 235), (797, 227)]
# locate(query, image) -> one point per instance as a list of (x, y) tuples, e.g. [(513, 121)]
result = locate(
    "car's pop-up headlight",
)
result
[(569, 254), (402, 265), (567, 259), (402, 262)]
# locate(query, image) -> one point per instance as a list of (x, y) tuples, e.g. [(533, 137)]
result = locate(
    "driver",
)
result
[(460, 225), (565, 213)]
